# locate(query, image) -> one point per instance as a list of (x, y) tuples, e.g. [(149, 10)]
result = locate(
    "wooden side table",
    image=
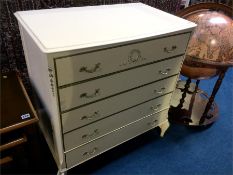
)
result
[(17, 113)]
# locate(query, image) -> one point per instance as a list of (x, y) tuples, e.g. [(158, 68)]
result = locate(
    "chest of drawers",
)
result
[(104, 74)]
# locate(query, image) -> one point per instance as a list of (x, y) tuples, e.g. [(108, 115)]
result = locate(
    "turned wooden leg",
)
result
[(185, 91), (211, 99), (163, 127)]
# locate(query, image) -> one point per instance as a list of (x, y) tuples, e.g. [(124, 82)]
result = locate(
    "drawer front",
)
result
[(77, 95), (92, 149), (84, 66), (102, 127), (95, 111)]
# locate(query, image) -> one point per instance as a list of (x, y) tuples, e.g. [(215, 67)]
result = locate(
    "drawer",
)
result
[(95, 111), (92, 149), (84, 66), (77, 95), (102, 127)]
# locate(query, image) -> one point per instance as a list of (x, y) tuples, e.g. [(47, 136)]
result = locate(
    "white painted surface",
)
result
[(96, 111), (81, 27), (38, 64), (121, 135), (119, 58), (103, 127), (52, 33), (71, 96)]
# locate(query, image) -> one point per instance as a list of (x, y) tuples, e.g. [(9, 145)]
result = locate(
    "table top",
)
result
[(63, 29), (16, 108)]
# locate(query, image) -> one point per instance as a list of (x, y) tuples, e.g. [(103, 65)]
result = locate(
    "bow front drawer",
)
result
[(80, 94), (80, 67), (82, 116), (97, 129), (92, 149)]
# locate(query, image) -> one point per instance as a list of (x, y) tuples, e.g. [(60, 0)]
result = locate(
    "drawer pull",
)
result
[(85, 95), (95, 133), (153, 123), (95, 69), (160, 91), (165, 72), (155, 108), (173, 48), (91, 152), (95, 115)]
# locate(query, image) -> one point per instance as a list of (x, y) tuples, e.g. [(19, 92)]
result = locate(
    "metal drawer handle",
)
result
[(85, 69), (172, 49), (95, 133), (153, 123), (160, 91), (91, 152), (85, 95), (165, 72), (155, 108), (94, 115)]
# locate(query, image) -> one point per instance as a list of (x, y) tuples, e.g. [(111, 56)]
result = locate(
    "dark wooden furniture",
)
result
[(209, 54), (17, 114)]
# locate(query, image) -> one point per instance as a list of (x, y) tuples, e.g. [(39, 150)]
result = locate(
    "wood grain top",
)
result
[(16, 108)]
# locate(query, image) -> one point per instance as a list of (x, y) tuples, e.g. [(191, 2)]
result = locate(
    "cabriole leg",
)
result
[(61, 173), (163, 127)]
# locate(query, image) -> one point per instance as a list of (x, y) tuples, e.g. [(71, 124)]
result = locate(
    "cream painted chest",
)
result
[(104, 74)]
